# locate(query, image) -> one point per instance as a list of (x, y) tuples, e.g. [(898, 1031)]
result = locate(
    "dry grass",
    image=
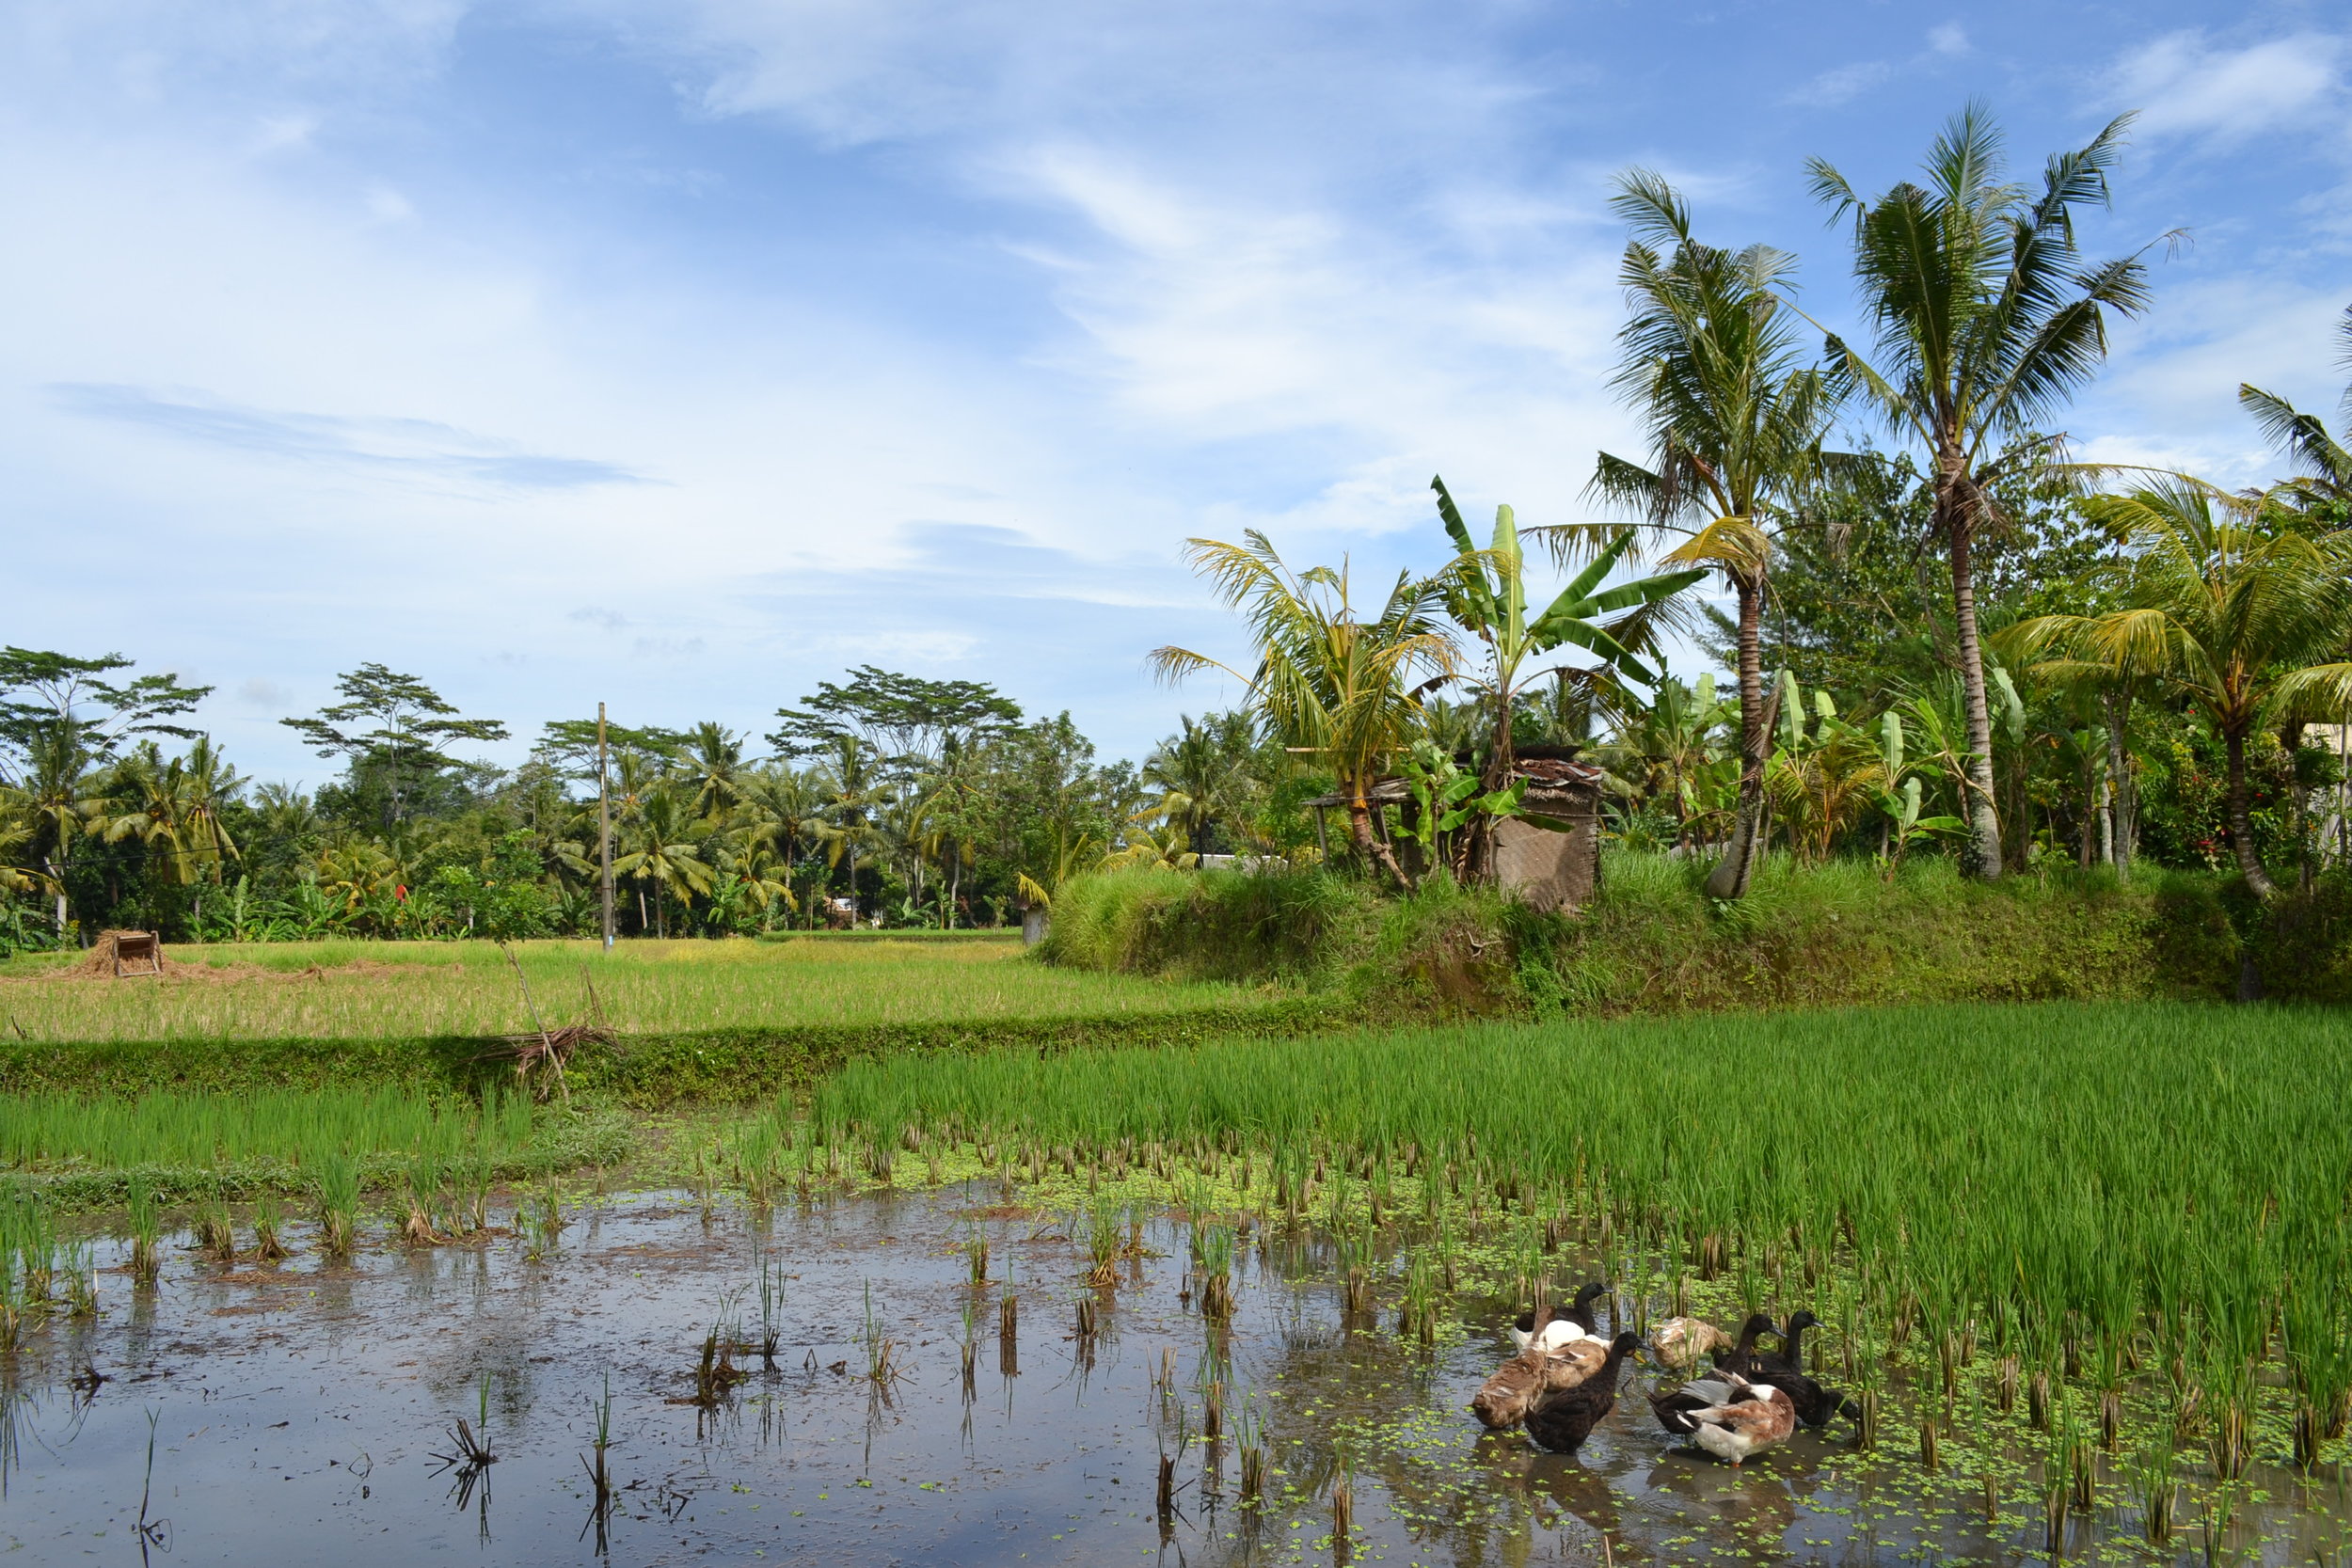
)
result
[(364, 990)]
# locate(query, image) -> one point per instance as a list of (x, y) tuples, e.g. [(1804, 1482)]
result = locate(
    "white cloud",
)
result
[(1948, 38), (2183, 85), (1842, 85)]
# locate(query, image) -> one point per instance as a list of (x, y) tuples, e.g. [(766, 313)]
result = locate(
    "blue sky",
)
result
[(683, 353)]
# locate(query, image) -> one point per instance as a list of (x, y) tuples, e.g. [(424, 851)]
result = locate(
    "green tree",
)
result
[(1986, 320), (410, 725), (2324, 485), (2242, 619), (1734, 419), (1486, 596), (1202, 776), (1341, 689)]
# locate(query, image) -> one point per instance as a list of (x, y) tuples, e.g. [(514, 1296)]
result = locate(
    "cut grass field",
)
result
[(348, 991)]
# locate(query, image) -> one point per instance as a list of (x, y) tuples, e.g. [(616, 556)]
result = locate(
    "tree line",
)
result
[(1944, 636)]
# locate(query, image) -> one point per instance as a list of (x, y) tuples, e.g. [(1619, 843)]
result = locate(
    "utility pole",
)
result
[(604, 829)]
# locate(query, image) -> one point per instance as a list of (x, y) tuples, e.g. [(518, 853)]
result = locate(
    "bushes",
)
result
[(1838, 934)]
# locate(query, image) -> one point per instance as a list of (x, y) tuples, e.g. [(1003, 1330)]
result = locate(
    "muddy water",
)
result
[(300, 1415)]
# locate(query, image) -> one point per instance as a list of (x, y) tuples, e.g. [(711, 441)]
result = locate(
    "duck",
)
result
[(1674, 1406), (1785, 1371), (1562, 1418), (1678, 1342), (1759, 1417), (1503, 1400), (1574, 1324)]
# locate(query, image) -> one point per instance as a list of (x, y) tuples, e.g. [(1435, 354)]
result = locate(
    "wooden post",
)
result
[(604, 831)]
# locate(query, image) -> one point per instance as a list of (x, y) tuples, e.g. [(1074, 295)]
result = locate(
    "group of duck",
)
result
[(1563, 1381)]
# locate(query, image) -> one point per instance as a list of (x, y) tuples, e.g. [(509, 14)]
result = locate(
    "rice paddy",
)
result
[(2085, 1269), (362, 990)]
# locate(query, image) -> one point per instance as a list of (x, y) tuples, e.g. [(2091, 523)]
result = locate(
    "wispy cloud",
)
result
[(419, 446), (2182, 84), (1842, 85)]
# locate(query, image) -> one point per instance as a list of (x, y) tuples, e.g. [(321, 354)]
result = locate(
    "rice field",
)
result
[(64, 1133), (2132, 1219), (363, 989)]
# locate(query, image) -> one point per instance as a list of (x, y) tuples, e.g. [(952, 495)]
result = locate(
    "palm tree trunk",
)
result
[(2241, 822), (56, 880), (1359, 828), (1983, 857), (2120, 810), (1729, 879)]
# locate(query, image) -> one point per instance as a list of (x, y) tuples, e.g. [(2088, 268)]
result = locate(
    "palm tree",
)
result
[(1328, 685), (845, 781), (2303, 439), (1203, 775), (2228, 610), (60, 792), (1987, 319), (1489, 599), (663, 849), (711, 756), (1735, 421)]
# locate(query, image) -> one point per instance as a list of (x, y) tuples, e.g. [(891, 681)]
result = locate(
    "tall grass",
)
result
[(355, 989), (2056, 1178)]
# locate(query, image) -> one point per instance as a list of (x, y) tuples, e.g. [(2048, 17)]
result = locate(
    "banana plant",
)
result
[(1447, 797), (1486, 596)]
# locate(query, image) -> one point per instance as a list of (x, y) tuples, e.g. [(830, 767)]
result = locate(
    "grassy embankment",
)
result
[(1839, 935)]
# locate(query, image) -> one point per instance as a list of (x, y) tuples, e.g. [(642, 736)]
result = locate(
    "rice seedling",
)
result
[(2153, 1486), (976, 1252), (1214, 1248), (216, 1232), (81, 1283), (339, 1205), (881, 1351), (267, 1246), (715, 1373), (770, 1312), (1253, 1445), (543, 1222), (146, 1234), (1104, 1246), (599, 1474)]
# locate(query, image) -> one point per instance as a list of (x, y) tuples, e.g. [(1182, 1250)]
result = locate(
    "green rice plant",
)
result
[(216, 1231), (770, 1312), (976, 1252), (339, 1205), (1418, 1317), (543, 1224), (1105, 1243), (1213, 1245), (145, 1232), (2153, 1485), (267, 1248)]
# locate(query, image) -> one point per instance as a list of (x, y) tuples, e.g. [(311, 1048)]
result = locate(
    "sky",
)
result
[(681, 355)]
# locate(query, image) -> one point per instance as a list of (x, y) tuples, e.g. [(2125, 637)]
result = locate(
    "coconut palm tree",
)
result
[(852, 792), (1489, 599), (663, 848), (712, 758), (2240, 617), (61, 793), (1327, 683), (2303, 439), (1986, 319), (1201, 774), (1735, 420)]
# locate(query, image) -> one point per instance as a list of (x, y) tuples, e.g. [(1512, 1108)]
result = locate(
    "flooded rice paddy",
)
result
[(871, 1405)]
